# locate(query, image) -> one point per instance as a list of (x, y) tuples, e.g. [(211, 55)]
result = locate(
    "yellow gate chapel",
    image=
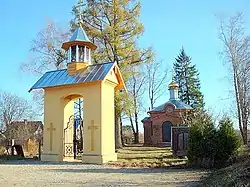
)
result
[(96, 83)]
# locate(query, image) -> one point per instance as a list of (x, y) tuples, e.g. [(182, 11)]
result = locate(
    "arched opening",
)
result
[(166, 131), (73, 54), (74, 126), (81, 53)]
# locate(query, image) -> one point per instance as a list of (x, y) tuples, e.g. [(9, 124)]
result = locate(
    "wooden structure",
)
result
[(180, 141)]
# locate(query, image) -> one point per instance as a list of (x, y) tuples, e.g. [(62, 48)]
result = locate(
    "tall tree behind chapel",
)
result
[(187, 76), (114, 26)]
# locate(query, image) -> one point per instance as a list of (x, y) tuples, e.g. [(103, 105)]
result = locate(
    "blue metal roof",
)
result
[(79, 35), (177, 103), (61, 77)]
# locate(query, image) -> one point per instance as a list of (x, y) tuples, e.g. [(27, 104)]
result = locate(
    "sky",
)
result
[(168, 25)]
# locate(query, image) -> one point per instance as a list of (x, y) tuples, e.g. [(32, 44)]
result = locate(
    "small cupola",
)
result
[(173, 88), (79, 47)]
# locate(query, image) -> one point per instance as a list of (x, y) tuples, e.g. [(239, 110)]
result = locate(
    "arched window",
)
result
[(166, 131)]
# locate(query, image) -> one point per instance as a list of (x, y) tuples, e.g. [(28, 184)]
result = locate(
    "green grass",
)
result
[(149, 155), (140, 154)]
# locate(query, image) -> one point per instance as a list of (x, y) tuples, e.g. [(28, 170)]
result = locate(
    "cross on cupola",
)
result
[(79, 13), (79, 46), (173, 88)]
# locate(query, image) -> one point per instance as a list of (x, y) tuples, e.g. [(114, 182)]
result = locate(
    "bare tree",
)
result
[(46, 50), (156, 79), (236, 53), (13, 108), (47, 54), (136, 87)]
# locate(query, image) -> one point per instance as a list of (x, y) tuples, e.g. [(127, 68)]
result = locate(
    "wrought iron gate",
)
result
[(73, 137)]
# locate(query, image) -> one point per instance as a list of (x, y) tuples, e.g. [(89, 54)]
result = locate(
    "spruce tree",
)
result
[(187, 76)]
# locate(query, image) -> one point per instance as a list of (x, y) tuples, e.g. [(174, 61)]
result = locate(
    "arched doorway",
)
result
[(73, 128), (166, 131)]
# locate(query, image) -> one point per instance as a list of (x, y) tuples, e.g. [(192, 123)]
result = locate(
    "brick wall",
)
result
[(147, 133), (158, 118)]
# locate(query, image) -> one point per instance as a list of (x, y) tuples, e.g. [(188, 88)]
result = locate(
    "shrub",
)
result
[(2, 150), (227, 142), (194, 145), (32, 148), (201, 139), (209, 147)]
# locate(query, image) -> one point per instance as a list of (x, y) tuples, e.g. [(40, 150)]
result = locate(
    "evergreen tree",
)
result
[(187, 76)]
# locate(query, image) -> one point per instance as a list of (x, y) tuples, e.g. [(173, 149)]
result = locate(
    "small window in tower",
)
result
[(81, 53), (73, 53), (87, 53)]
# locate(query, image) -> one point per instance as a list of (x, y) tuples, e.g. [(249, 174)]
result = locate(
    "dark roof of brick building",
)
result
[(31, 128), (177, 103)]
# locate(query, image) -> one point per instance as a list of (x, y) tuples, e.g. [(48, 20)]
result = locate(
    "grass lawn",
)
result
[(139, 156), (142, 156)]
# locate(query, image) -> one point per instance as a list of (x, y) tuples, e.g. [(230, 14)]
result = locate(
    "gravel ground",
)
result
[(35, 173)]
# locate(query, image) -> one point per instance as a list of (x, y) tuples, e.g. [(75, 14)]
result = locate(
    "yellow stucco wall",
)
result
[(108, 126), (53, 114), (112, 77), (98, 107)]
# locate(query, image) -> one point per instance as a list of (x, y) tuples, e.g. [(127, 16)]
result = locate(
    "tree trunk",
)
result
[(132, 126), (121, 131), (244, 135), (242, 125), (136, 141), (137, 129), (39, 149), (118, 142), (151, 103)]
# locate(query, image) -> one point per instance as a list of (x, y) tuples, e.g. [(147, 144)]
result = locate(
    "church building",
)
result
[(158, 126)]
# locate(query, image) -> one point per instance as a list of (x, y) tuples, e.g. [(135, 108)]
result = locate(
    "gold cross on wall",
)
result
[(92, 127), (51, 129)]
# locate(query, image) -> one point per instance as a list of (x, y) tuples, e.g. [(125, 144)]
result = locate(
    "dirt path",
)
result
[(75, 174)]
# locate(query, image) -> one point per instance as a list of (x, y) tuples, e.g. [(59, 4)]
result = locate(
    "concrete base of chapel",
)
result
[(98, 159), (51, 157)]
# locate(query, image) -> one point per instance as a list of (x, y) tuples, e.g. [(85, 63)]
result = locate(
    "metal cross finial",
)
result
[(173, 74), (78, 7)]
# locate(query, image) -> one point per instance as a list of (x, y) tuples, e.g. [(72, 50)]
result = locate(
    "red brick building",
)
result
[(157, 127)]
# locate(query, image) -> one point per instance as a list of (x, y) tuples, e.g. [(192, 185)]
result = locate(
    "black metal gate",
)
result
[(73, 137), (78, 137)]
